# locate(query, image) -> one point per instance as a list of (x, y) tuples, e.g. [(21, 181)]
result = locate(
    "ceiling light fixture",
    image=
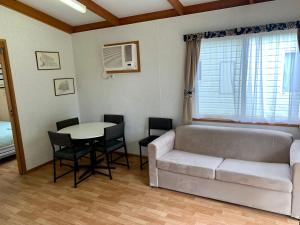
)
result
[(75, 5)]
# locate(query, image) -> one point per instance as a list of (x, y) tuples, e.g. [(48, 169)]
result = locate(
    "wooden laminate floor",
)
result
[(34, 200)]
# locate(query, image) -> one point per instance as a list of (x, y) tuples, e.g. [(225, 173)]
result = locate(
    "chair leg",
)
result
[(111, 158), (93, 160), (60, 161), (75, 173), (77, 167), (108, 165), (141, 158), (54, 170), (126, 155)]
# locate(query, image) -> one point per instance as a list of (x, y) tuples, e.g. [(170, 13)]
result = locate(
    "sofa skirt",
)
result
[(273, 201)]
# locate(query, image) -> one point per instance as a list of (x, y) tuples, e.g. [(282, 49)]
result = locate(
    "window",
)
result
[(249, 78)]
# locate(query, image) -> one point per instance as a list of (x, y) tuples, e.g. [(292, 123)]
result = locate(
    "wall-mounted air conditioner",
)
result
[(121, 57)]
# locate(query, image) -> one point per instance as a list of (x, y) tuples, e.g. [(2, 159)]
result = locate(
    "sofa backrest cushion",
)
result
[(236, 143)]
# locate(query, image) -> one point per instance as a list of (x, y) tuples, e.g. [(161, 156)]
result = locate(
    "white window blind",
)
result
[(249, 78)]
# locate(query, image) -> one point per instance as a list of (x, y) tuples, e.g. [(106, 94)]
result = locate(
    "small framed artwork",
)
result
[(47, 60), (1, 77), (64, 86)]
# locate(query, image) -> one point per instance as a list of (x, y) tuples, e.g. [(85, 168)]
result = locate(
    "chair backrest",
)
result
[(117, 119), (156, 123), (67, 123), (61, 140), (114, 132)]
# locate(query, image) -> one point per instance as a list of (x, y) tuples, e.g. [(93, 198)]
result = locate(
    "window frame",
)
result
[(219, 119)]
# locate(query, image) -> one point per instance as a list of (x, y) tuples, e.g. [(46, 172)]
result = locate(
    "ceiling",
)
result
[(124, 8), (63, 12), (107, 13), (119, 8)]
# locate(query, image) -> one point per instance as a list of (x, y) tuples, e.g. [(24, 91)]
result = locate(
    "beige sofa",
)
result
[(251, 167)]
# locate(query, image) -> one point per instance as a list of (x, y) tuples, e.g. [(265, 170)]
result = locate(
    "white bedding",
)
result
[(6, 140)]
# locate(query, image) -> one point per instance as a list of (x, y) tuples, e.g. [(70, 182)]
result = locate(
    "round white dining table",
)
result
[(86, 130)]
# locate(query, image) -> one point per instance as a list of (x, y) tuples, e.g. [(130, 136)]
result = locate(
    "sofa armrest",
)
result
[(295, 153), (295, 167), (156, 149)]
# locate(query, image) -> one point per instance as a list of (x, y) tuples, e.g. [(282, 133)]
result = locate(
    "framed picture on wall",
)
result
[(47, 60), (64, 86), (1, 77)]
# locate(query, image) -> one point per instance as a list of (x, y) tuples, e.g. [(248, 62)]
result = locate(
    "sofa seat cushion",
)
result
[(189, 163), (271, 176)]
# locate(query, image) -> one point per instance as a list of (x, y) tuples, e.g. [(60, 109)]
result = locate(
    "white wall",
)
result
[(158, 89), (38, 108)]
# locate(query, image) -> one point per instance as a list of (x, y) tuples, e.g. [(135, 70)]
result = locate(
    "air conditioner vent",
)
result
[(113, 57), (128, 53)]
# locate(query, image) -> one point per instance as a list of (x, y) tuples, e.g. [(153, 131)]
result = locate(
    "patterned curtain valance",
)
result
[(243, 30)]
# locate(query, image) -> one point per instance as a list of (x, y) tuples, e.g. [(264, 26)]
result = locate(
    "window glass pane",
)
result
[(289, 62), (226, 77), (250, 78)]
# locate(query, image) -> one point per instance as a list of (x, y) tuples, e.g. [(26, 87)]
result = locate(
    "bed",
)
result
[(7, 147)]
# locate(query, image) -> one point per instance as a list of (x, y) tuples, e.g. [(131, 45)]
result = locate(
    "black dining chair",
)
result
[(67, 123), (114, 139), (155, 123), (64, 149), (111, 118)]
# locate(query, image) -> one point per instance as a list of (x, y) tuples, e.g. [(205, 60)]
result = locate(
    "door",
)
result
[(12, 106)]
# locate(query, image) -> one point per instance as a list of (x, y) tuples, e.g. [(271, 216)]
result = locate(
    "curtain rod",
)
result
[(243, 30)]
